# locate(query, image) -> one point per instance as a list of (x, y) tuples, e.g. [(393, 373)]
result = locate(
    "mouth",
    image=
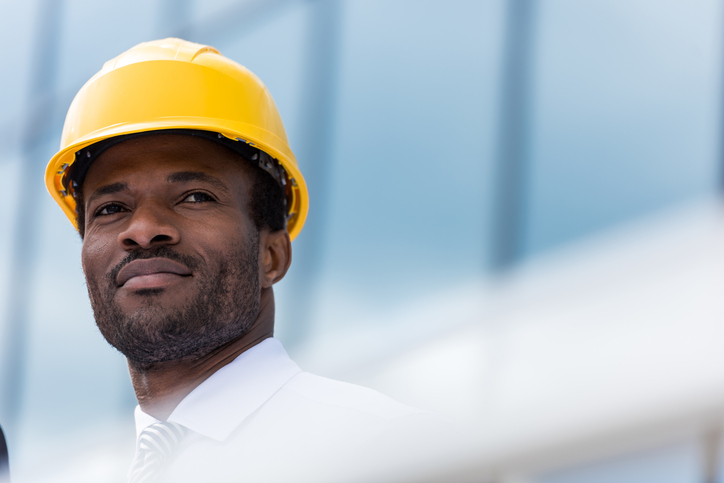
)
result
[(151, 273)]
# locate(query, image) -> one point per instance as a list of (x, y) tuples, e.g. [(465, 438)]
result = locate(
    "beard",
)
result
[(224, 307)]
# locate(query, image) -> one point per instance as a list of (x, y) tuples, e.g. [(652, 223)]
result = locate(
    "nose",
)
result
[(149, 226)]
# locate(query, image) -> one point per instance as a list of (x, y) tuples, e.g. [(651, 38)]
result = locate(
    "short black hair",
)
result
[(267, 204)]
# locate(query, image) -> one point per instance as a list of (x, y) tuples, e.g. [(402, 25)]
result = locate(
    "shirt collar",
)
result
[(221, 403)]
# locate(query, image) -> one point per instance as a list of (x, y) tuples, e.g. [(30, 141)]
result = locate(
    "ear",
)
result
[(275, 256)]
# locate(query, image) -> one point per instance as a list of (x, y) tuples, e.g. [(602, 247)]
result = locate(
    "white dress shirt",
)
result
[(261, 418)]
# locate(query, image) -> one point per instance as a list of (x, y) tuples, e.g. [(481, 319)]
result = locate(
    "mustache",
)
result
[(157, 252)]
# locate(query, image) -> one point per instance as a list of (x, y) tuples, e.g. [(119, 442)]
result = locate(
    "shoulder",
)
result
[(368, 436), (348, 397), (324, 409)]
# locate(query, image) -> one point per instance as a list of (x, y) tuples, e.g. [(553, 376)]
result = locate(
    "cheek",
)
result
[(218, 236), (233, 250), (95, 256)]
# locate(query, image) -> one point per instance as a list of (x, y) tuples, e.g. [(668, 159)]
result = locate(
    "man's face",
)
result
[(170, 253)]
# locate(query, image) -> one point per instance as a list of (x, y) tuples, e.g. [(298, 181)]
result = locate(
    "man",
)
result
[(175, 168)]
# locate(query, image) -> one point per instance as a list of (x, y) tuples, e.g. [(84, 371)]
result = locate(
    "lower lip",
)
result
[(154, 280)]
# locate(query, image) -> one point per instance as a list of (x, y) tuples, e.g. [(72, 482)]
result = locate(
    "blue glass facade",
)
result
[(395, 109)]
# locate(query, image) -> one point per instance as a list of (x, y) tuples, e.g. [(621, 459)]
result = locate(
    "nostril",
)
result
[(161, 238), (130, 242)]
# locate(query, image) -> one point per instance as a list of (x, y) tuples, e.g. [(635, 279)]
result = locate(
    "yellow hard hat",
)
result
[(174, 84)]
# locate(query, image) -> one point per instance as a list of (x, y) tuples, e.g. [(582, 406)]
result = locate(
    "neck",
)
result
[(160, 387)]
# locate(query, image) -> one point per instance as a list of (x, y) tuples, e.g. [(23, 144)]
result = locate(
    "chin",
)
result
[(155, 334)]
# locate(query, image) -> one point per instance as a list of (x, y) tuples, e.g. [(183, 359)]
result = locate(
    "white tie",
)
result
[(156, 444)]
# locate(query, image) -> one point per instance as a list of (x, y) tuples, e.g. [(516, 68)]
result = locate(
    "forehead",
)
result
[(158, 154)]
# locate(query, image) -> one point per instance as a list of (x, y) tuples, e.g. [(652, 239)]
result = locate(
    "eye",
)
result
[(198, 197), (110, 209)]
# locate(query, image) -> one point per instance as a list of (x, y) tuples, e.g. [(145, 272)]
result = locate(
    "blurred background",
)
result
[(516, 221)]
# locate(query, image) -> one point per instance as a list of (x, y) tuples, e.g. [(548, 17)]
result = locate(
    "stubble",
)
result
[(223, 308)]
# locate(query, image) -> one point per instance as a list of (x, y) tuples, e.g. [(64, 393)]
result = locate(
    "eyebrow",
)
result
[(108, 189), (179, 177), (186, 176)]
